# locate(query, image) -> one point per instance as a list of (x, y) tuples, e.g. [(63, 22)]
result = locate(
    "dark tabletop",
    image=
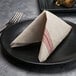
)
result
[(31, 10)]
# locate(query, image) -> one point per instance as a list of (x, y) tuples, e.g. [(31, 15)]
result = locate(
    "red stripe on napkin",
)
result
[(47, 40), (46, 43)]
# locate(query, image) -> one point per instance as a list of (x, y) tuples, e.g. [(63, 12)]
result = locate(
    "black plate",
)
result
[(64, 53), (50, 5)]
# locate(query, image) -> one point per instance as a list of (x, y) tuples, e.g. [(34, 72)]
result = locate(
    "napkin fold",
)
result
[(47, 28)]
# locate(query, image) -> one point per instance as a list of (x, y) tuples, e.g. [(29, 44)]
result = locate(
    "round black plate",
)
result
[(64, 53)]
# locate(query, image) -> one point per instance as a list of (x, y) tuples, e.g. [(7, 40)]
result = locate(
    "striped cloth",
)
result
[(47, 28)]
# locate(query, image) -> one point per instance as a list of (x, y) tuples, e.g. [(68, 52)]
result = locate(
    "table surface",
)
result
[(31, 10)]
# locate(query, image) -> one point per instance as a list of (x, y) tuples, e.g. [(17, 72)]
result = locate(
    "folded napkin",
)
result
[(47, 28)]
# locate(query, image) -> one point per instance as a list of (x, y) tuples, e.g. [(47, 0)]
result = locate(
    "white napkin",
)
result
[(47, 28)]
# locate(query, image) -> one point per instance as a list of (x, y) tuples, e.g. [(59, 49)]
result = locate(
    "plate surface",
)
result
[(65, 52), (50, 5)]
